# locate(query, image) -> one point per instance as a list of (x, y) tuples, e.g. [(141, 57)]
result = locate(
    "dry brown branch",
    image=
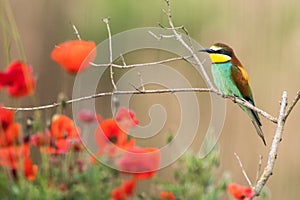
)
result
[(124, 66), (160, 36), (102, 94), (154, 91), (106, 21), (76, 32), (290, 108), (249, 105), (259, 168), (141, 81), (243, 170), (268, 170), (183, 43)]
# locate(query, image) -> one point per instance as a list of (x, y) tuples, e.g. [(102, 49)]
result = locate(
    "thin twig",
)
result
[(142, 64), (168, 28), (189, 37), (76, 32), (179, 38), (106, 21), (123, 60), (160, 36), (274, 148), (136, 88), (249, 105), (243, 170), (290, 108), (259, 168), (141, 81), (102, 94), (154, 91)]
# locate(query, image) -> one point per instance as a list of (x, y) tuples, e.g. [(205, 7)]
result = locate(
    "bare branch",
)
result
[(102, 94), (179, 38), (76, 31), (154, 91), (259, 168), (243, 170), (123, 60), (106, 21), (124, 66), (290, 108), (189, 37), (141, 80), (160, 36), (274, 148), (249, 105), (136, 88), (167, 28)]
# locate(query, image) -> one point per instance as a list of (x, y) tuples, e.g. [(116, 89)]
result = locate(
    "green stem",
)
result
[(12, 27), (4, 35)]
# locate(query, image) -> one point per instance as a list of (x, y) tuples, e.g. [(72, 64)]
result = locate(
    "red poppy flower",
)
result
[(74, 55), (30, 170), (142, 162), (240, 192), (126, 119), (10, 135), (10, 156), (40, 139), (63, 127), (118, 194), (9, 131), (128, 186), (61, 146), (126, 190), (112, 131), (18, 79), (64, 135), (88, 116), (167, 196), (6, 118), (109, 131)]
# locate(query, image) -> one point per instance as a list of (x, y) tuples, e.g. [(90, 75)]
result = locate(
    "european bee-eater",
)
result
[(232, 79)]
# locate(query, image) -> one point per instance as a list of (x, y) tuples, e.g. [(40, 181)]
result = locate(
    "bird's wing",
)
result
[(240, 78)]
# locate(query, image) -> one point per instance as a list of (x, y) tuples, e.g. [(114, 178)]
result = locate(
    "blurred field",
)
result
[(265, 36)]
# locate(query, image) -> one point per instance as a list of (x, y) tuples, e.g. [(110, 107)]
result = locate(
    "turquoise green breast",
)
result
[(222, 77)]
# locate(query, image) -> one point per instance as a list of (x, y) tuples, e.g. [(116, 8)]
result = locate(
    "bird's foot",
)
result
[(234, 99)]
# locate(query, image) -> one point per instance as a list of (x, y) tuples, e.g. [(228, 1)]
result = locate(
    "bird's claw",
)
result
[(234, 99)]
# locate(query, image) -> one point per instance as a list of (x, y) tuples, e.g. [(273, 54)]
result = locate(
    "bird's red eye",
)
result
[(222, 51)]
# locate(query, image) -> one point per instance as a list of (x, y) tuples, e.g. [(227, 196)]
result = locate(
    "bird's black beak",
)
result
[(206, 50)]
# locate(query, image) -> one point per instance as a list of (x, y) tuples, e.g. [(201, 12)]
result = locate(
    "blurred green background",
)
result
[(264, 34)]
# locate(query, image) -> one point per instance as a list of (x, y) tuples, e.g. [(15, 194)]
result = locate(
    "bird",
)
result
[(231, 78)]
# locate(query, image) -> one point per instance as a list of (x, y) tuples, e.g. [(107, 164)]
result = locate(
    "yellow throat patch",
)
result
[(219, 58)]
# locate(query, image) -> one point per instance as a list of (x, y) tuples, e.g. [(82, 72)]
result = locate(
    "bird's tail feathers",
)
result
[(259, 131)]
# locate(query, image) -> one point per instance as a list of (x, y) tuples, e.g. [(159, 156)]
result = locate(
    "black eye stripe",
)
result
[(225, 52)]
